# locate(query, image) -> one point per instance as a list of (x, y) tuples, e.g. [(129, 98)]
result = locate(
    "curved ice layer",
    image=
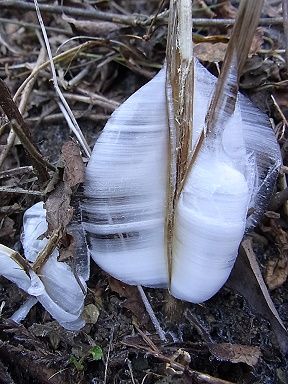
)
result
[(124, 208), (55, 286), (210, 222), (125, 190), (262, 150)]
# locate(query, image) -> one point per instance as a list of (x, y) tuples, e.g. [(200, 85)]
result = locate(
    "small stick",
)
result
[(20, 190), (47, 250), (91, 99)]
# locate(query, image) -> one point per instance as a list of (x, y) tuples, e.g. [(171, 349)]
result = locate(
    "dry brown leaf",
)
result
[(226, 10), (59, 210), (215, 53), (133, 300), (205, 9), (236, 353), (276, 273), (210, 52), (73, 164), (257, 41)]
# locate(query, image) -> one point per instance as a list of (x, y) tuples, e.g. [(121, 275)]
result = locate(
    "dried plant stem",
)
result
[(179, 93), (74, 126), (47, 250), (9, 107), (21, 191), (224, 98), (22, 106), (91, 99), (78, 114), (131, 20), (227, 86)]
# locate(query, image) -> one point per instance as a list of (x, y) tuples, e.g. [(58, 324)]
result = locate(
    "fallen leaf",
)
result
[(276, 273), (63, 212), (226, 10), (74, 169), (236, 353), (257, 41), (210, 52), (133, 300), (59, 212)]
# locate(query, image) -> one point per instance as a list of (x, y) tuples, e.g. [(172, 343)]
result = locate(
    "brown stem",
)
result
[(22, 131), (132, 20)]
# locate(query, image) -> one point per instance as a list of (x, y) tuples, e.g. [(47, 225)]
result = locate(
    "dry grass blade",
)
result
[(179, 93), (74, 126), (224, 97)]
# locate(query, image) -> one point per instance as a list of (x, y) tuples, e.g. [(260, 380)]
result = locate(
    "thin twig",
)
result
[(91, 99), (20, 190), (75, 127), (132, 20), (59, 116), (15, 172)]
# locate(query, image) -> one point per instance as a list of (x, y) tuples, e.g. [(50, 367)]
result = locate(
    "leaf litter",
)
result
[(239, 335)]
